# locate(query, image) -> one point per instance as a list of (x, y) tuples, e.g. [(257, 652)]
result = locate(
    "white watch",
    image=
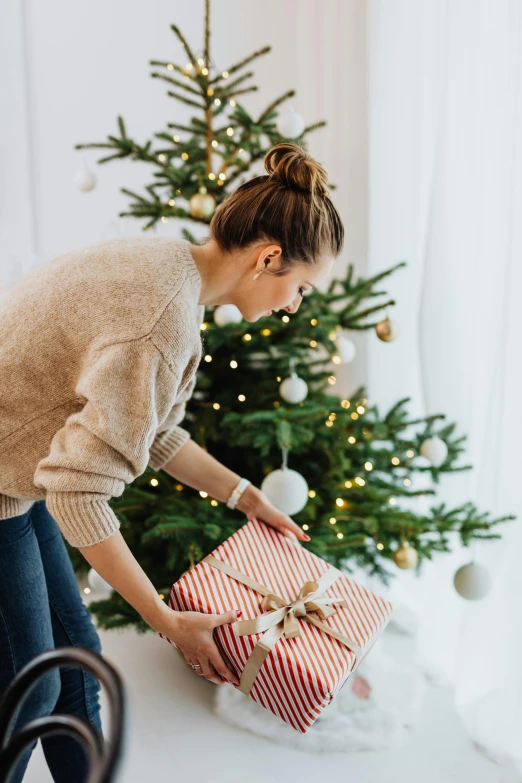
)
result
[(237, 492)]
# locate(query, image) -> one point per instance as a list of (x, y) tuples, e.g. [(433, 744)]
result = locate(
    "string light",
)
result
[(184, 155), (407, 482), (266, 332), (232, 102), (222, 177), (216, 406), (332, 380), (201, 61), (312, 493), (212, 175), (276, 403), (210, 92), (410, 453), (368, 466), (336, 359), (348, 484), (164, 219), (176, 138), (351, 439), (306, 527), (203, 494), (214, 143), (86, 590), (214, 503), (179, 487), (208, 358), (314, 321), (339, 502), (278, 379), (329, 423), (217, 102), (345, 403), (333, 520), (162, 158), (241, 397), (233, 364), (360, 481), (170, 67), (354, 415), (172, 202), (380, 546), (204, 71), (285, 319), (313, 344), (230, 131), (340, 535), (225, 74), (204, 326), (332, 417), (247, 337), (396, 461), (360, 409), (178, 192), (392, 501), (154, 482)]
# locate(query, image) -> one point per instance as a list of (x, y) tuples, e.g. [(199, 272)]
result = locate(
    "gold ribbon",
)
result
[(280, 618)]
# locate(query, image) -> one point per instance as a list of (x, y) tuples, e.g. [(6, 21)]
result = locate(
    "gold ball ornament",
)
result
[(202, 204), (387, 330), (405, 556)]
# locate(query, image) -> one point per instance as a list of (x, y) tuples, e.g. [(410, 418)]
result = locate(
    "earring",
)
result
[(257, 274)]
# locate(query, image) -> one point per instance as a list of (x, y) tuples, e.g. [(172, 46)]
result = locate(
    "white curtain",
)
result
[(445, 194)]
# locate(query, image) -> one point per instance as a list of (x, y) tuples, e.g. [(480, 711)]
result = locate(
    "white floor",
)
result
[(174, 735)]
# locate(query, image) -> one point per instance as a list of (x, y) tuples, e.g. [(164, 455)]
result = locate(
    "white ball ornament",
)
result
[(227, 314), (472, 581), (85, 180), (293, 389), (202, 204), (286, 489), (97, 583), (345, 348), (435, 450), (290, 124)]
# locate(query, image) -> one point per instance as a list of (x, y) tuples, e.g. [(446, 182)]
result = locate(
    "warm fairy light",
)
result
[(266, 332), (208, 358), (332, 417), (170, 67), (212, 175), (204, 71), (332, 336), (339, 502), (162, 158), (360, 481), (188, 66), (329, 423), (360, 409), (354, 415), (247, 337), (233, 364), (285, 319), (203, 494), (217, 102), (407, 482), (172, 202), (332, 520), (276, 403), (345, 403), (278, 379), (396, 461), (201, 61), (313, 344), (368, 466), (179, 487), (230, 131), (306, 527), (204, 326), (225, 74), (232, 102), (392, 501), (332, 380), (314, 321), (164, 219), (86, 590), (312, 493), (176, 138), (154, 482), (241, 397), (184, 155), (178, 192), (380, 546), (241, 150), (351, 439), (210, 92), (214, 143), (216, 406), (222, 177), (410, 453), (348, 484), (214, 503), (336, 359), (340, 535)]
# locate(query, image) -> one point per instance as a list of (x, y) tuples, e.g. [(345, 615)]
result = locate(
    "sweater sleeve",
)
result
[(127, 389), (170, 436)]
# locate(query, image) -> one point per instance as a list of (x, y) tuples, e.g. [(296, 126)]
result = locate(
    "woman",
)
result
[(99, 349)]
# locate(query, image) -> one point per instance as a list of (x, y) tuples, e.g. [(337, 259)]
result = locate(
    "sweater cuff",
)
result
[(166, 445), (83, 519)]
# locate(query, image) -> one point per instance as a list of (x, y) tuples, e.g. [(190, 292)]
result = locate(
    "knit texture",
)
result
[(99, 349)]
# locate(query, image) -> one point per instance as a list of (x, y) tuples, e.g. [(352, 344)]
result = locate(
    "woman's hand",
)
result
[(192, 634), (254, 503)]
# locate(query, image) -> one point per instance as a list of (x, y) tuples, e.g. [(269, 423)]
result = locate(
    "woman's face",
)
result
[(270, 293)]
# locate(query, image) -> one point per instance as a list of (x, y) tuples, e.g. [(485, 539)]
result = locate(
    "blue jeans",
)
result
[(41, 608)]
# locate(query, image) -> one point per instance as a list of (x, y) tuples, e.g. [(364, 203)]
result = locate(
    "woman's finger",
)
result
[(208, 671), (219, 665)]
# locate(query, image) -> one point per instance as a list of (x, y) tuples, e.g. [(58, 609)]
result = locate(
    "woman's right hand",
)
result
[(192, 634)]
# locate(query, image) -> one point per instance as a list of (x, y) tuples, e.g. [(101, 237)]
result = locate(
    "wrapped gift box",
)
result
[(316, 625)]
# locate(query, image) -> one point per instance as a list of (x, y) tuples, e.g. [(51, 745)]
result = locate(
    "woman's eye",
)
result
[(302, 292)]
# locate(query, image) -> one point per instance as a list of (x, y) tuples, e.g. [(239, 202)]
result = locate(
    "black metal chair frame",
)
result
[(104, 756)]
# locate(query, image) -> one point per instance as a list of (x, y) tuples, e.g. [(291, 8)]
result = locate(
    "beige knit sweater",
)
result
[(99, 349)]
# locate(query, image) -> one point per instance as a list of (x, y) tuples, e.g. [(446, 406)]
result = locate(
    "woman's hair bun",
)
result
[(295, 168)]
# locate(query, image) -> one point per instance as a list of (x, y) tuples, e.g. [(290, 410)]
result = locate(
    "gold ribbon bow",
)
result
[(280, 618)]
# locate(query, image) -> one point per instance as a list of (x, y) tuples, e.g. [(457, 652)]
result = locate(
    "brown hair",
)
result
[(290, 205)]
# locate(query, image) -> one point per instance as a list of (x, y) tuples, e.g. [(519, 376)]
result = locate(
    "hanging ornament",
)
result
[(472, 581), (435, 450), (227, 314), (85, 180), (345, 348), (387, 330), (286, 489), (290, 124), (405, 556), (97, 583), (202, 204), (293, 389)]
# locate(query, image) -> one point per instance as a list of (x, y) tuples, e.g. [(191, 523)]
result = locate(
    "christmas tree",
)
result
[(266, 397)]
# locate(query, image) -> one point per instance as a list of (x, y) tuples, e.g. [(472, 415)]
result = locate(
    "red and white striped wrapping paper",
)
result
[(301, 675)]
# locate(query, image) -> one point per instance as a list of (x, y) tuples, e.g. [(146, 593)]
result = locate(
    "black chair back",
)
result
[(104, 756)]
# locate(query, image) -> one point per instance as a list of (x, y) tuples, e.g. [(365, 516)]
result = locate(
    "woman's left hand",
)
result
[(266, 512)]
